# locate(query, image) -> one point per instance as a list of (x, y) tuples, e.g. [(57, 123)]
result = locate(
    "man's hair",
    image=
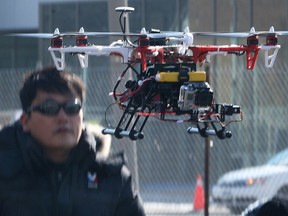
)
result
[(50, 80)]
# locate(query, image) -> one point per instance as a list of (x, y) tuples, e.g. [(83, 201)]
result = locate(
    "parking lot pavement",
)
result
[(175, 200), (181, 209), (168, 208)]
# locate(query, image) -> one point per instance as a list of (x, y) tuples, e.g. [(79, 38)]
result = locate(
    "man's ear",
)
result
[(24, 119)]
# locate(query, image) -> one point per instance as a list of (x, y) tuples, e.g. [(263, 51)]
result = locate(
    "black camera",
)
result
[(195, 95)]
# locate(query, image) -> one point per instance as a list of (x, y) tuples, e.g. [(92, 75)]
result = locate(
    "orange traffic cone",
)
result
[(199, 200)]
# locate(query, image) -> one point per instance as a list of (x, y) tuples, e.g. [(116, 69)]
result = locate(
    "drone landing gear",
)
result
[(119, 133), (205, 131), (132, 133)]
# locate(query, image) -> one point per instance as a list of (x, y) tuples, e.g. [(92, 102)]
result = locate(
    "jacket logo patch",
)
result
[(92, 180)]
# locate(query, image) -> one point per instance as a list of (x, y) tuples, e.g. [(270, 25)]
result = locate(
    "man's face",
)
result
[(58, 133)]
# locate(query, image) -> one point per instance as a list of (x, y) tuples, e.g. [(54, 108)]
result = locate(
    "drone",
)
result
[(167, 84)]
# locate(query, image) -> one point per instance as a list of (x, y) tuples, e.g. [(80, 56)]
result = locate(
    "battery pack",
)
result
[(192, 76)]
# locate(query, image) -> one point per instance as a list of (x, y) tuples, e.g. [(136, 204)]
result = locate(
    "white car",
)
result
[(237, 189)]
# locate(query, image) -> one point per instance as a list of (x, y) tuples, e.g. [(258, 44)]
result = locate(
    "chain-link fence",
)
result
[(167, 161)]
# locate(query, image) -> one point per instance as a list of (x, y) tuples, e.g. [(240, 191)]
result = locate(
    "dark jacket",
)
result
[(84, 185), (271, 207)]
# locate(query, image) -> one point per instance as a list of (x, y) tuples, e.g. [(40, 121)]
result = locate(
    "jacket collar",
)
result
[(34, 158)]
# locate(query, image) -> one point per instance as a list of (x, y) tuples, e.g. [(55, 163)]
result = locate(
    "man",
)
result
[(48, 163)]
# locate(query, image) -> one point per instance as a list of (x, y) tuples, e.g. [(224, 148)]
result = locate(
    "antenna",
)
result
[(124, 11)]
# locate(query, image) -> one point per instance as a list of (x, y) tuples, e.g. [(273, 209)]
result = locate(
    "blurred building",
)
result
[(68, 15), (93, 15)]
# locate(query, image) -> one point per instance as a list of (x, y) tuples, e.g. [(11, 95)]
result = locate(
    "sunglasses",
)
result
[(52, 108)]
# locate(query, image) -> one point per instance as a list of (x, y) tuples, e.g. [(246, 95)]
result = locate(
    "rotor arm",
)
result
[(200, 53), (85, 51)]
